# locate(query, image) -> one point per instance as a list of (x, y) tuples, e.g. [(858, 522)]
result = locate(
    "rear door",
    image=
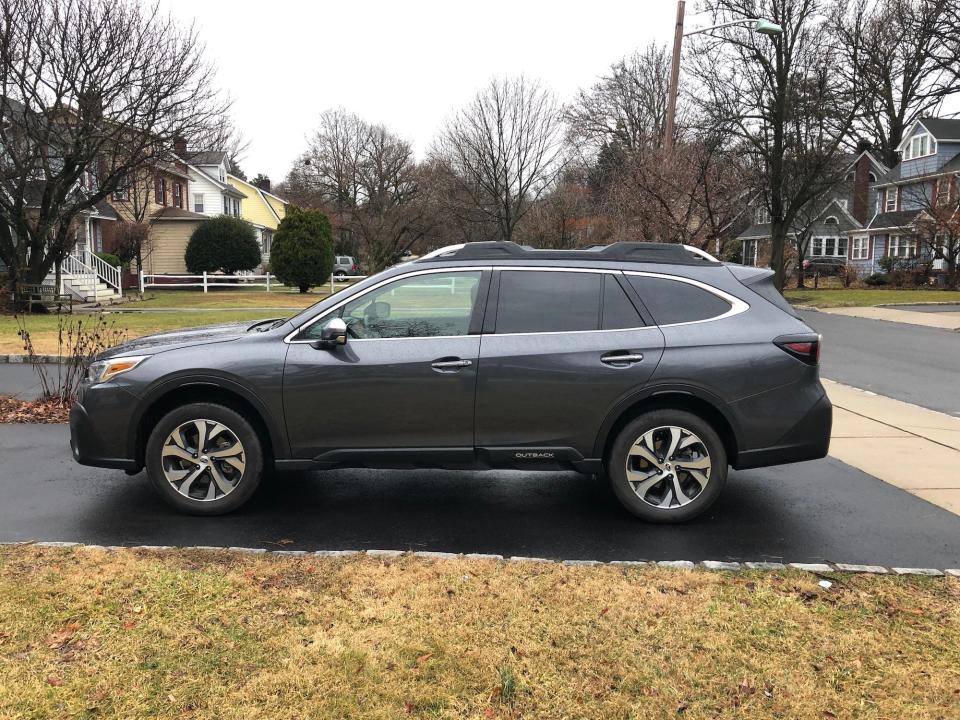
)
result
[(560, 348)]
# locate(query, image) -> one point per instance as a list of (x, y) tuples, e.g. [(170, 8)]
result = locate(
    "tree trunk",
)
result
[(778, 240)]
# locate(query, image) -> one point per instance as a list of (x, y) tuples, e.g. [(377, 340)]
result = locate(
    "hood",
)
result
[(150, 344)]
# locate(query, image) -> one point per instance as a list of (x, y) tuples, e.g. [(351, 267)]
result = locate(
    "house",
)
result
[(262, 209), (838, 227), (210, 193), (925, 177)]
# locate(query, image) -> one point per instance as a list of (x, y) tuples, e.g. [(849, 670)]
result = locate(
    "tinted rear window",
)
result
[(673, 301), (618, 311), (532, 301)]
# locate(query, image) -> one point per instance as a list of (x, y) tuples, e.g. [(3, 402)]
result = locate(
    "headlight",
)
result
[(104, 370)]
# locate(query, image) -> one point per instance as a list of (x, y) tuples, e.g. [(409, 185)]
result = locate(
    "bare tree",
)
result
[(791, 99), (626, 107), (908, 62), (694, 194), (504, 149), (562, 217), (368, 181), (90, 91)]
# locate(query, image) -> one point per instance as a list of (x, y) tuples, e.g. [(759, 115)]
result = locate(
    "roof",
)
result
[(901, 218), (207, 157), (105, 211), (230, 189), (175, 213), (942, 128), (671, 253)]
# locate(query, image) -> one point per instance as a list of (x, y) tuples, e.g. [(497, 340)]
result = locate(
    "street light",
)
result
[(757, 25)]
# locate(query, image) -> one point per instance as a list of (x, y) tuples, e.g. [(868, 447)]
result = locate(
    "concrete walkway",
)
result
[(915, 449), (941, 320)]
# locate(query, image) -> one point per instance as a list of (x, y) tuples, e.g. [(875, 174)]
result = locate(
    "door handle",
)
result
[(621, 358), (450, 364)]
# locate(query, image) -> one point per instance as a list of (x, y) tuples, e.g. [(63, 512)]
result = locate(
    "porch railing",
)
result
[(104, 270)]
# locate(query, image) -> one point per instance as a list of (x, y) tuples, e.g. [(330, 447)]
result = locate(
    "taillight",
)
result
[(804, 349)]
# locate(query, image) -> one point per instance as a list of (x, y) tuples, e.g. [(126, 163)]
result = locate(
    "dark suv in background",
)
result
[(653, 365)]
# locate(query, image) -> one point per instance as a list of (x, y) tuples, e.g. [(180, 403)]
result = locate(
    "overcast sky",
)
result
[(404, 64)]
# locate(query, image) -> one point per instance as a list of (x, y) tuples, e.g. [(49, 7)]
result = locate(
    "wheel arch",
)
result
[(203, 390), (698, 403)]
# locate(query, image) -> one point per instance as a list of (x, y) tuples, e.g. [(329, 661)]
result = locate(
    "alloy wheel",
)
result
[(203, 460), (668, 467)]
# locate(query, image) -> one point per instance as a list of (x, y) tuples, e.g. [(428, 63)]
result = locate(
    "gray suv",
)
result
[(651, 365)]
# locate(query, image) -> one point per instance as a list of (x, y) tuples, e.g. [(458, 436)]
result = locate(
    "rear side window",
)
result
[(534, 301), (618, 311), (673, 301)]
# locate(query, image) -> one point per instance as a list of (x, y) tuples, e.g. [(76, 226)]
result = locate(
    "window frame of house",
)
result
[(835, 244), (860, 253), (178, 195), (926, 140), (763, 216), (753, 254), (898, 243), (122, 191), (891, 194), (198, 206)]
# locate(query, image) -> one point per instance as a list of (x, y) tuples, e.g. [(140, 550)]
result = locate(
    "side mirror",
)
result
[(334, 334)]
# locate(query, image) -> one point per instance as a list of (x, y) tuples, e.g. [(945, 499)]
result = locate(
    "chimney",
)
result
[(861, 184), (180, 145)]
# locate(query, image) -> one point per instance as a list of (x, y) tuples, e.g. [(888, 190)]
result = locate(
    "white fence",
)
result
[(209, 280)]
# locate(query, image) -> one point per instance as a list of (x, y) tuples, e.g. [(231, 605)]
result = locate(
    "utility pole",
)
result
[(674, 79)]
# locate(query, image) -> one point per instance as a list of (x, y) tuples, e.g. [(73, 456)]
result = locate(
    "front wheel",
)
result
[(204, 459), (667, 466)]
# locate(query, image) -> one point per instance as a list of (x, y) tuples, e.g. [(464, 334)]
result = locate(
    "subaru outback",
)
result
[(651, 365)]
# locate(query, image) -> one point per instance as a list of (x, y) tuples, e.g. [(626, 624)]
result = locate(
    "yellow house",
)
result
[(262, 209)]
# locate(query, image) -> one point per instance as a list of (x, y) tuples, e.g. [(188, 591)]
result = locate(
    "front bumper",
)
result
[(809, 439), (100, 428)]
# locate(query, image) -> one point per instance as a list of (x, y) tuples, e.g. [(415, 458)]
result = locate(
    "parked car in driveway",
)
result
[(653, 365), (344, 265)]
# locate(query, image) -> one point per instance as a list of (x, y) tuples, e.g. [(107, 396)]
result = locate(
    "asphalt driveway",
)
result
[(822, 510)]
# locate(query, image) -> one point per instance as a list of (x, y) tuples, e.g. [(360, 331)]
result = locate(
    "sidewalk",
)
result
[(941, 320), (915, 449)]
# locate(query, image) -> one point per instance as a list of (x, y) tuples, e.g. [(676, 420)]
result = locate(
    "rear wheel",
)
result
[(667, 466), (204, 459)]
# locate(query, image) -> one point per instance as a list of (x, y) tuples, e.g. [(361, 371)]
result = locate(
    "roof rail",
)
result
[(641, 252)]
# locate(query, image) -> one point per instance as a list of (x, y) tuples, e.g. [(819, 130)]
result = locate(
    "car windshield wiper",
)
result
[(265, 325)]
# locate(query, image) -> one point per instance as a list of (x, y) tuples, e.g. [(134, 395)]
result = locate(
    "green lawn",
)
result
[(44, 329), (868, 297)]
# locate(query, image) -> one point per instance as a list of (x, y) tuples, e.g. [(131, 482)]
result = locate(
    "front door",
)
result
[(406, 379)]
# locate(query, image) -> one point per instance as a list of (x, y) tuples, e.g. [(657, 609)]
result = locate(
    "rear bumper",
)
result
[(99, 424), (809, 439)]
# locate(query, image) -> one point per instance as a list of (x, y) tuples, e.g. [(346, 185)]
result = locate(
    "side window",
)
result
[(618, 311), (673, 301), (534, 301), (431, 305)]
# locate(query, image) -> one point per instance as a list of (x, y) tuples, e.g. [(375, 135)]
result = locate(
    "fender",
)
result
[(230, 383), (650, 393)]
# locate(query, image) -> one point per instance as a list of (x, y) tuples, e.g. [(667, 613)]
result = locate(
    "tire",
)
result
[(340, 274), (650, 491), (220, 480)]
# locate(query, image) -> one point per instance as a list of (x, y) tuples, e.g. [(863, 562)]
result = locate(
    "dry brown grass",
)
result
[(84, 633)]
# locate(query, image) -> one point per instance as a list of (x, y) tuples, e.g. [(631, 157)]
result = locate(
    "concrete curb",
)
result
[(17, 359), (716, 565)]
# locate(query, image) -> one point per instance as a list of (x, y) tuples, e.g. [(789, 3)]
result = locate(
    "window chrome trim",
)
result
[(737, 305)]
